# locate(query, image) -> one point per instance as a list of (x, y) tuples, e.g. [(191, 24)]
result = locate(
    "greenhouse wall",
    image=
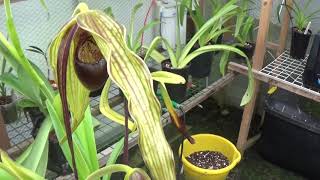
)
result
[(37, 27)]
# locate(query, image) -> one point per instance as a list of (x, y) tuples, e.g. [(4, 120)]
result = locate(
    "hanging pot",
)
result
[(299, 43), (177, 92), (8, 108)]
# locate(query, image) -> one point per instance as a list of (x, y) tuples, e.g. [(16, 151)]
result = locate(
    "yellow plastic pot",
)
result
[(209, 142)]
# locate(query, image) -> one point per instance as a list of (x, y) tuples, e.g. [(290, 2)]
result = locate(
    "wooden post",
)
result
[(258, 60), (284, 28), (4, 139)]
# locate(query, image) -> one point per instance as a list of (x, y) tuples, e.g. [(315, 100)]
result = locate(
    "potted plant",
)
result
[(200, 66), (7, 102), (180, 59), (244, 28), (301, 33)]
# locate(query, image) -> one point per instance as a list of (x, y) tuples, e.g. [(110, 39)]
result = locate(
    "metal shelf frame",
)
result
[(284, 72)]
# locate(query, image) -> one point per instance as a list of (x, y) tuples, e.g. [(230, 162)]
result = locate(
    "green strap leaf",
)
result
[(152, 52), (172, 56), (114, 155), (223, 62), (167, 77), (132, 17), (174, 116), (117, 168), (210, 48), (12, 29), (38, 156), (225, 10), (136, 42), (15, 169), (250, 89)]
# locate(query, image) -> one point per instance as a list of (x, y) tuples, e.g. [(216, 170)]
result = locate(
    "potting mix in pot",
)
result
[(208, 159)]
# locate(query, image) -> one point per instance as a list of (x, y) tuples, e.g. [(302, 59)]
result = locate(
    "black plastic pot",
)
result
[(290, 135), (155, 83), (299, 43), (177, 92), (57, 161), (248, 50), (36, 117), (8, 108), (201, 65)]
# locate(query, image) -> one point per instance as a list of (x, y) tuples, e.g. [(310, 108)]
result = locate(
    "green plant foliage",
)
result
[(4, 69), (126, 70), (32, 84), (39, 51), (133, 42), (182, 56), (244, 22), (299, 13), (198, 18), (118, 168)]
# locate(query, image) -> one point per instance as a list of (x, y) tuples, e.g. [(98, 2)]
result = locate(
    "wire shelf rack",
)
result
[(286, 68), (284, 72)]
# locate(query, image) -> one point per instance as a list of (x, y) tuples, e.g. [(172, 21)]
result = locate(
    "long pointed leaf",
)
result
[(38, 157), (227, 8), (136, 42), (210, 48), (151, 50), (114, 155), (250, 89), (174, 116), (167, 77), (16, 169)]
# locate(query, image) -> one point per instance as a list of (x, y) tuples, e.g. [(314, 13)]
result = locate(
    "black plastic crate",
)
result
[(290, 137)]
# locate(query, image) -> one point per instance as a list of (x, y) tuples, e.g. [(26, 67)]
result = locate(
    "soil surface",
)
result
[(208, 160)]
